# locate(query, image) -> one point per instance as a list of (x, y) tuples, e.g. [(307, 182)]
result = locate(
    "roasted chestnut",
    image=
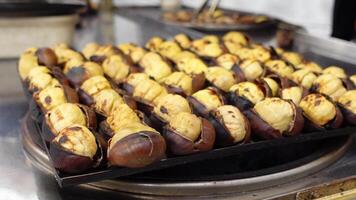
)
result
[(353, 79), (106, 100), (135, 146), (183, 84), (74, 149), (292, 57), (187, 134), (133, 80), (154, 66), (94, 85), (261, 53), (221, 78), (207, 46), (304, 77), (234, 40), (166, 108), (280, 67), (245, 95), (252, 69), (231, 126), (64, 54), (192, 66), (321, 112), (181, 56), (149, 92), (336, 71), (311, 66), (273, 86), (39, 78), (347, 102), (65, 115), (169, 49), (117, 68), (243, 53), (227, 61), (274, 117), (104, 52), (183, 40), (51, 97), (90, 49), (205, 101), (295, 93), (80, 73), (133, 51), (153, 43), (28, 60), (329, 85), (46, 57)]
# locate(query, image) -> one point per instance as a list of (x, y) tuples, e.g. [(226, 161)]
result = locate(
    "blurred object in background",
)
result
[(285, 35), (344, 19), (170, 5), (26, 24), (106, 22)]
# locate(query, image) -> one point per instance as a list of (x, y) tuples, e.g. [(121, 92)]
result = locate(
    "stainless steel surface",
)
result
[(20, 181)]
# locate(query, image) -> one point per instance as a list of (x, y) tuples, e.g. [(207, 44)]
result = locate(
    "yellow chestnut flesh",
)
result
[(186, 125), (116, 68), (192, 66), (154, 43), (136, 78), (236, 38), (220, 77), (40, 78), (336, 71), (311, 66), (330, 85), (51, 97), (183, 40), (121, 117), (248, 90), (273, 85), (227, 60), (276, 112), (292, 57), (135, 52), (182, 56), (65, 115), (180, 80), (348, 100), (318, 109), (95, 84), (90, 49), (28, 61), (292, 93), (154, 66), (170, 105), (150, 91), (169, 49), (208, 98), (234, 121), (106, 101), (280, 67), (252, 69), (304, 77), (77, 139), (353, 79)]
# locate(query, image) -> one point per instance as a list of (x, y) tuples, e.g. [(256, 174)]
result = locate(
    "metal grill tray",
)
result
[(104, 173)]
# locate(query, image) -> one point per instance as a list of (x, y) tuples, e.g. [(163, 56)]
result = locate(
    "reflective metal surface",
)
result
[(20, 181)]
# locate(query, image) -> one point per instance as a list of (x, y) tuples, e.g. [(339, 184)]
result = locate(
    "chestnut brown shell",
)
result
[(137, 150), (46, 57), (179, 145)]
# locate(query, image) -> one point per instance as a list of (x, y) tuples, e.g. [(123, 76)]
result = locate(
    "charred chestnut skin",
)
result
[(223, 137), (349, 116), (241, 103), (46, 57), (179, 145), (137, 150)]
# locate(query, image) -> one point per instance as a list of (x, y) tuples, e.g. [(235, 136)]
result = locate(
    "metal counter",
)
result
[(20, 181)]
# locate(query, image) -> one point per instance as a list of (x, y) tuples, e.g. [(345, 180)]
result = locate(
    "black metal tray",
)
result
[(103, 173)]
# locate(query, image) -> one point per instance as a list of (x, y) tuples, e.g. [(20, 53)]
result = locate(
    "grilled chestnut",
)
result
[(39, 78), (261, 53), (65, 115), (227, 61), (231, 126), (135, 146), (183, 84), (280, 67), (311, 66), (104, 52), (295, 93), (183, 55), (233, 40), (347, 102), (205, 101), (321, 112), (90, 49), (243, 53), (252, 69), (105, 101), (183, 40), (166, 108), (292, 57), (154, 66), (169, 49), (153, 43), (46, 57), (304, 77), (133, 51), (221, 78), (64, 54), (133, 80), (187, 134), (245, 95), (207, 46), (272, 86), (274, 117), (336, 71), (192, 66), (80, 73), (329, 85), (353, 79), (94, 85), (51, 97), (28, 60), (74, 149), (149, 92), (117, 68)]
